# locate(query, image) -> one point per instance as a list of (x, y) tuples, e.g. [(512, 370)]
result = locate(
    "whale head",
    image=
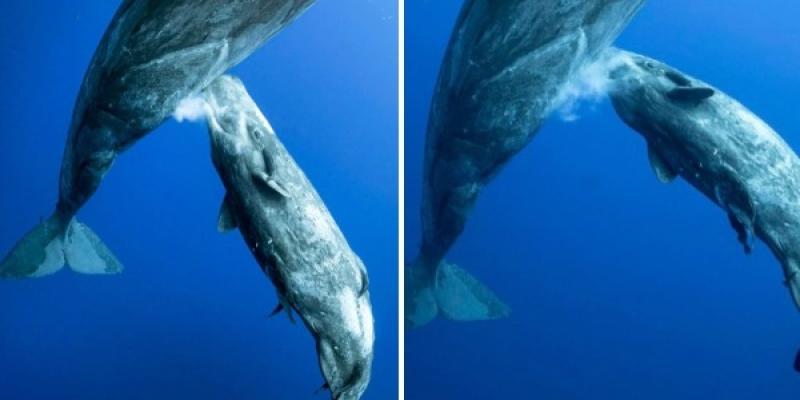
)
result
[(236, 125), (641, 78), (345, 339), (647, 93)]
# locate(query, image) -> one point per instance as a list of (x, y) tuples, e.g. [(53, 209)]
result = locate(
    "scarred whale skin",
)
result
[(153, 54), (292, 236), (695, 131), (504, 67)]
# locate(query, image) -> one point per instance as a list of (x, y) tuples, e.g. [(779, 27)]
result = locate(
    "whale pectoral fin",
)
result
[(663, 172), (793, 283), (271, 183), (288, 308), (364, 282), (741, 211), (742, 232), (324, 388), (690, 93), (283, 305), (744, 218), (275, 311), (226, 220), (278, 188)]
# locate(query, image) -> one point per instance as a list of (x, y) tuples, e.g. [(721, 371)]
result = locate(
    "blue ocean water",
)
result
[(186, 319), (620, 287)]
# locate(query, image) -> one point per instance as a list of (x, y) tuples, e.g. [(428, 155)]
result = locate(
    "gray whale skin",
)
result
[(292, 236), (153, 54), (504, 67), (721, 148)]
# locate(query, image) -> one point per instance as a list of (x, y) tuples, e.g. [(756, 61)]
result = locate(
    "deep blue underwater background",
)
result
[(186, 319), (620, 287)]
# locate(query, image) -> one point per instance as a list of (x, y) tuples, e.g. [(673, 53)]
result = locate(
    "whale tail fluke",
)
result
[(450, 292), (56, 242), (87, 254)]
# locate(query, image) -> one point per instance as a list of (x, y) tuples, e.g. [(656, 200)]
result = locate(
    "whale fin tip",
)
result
[(271, 183), (663, 172), (792, 282), (226, 220), (743, 231), (278, 188), (282, 305)]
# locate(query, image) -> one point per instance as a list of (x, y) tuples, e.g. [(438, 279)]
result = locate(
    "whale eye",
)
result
[(256, 134)]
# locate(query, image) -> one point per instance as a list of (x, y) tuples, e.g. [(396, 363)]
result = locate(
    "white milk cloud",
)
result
[(192, 108), (589, 85)]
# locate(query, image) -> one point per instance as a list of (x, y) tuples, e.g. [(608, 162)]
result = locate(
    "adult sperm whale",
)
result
[(501, 76), (292, 236), (695, 131), (153, 54)]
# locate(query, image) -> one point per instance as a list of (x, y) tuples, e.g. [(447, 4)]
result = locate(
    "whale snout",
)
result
[(344, 345), (345, 368)]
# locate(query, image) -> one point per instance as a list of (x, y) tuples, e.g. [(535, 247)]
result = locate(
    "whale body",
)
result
[(500, 78), (293, 237), (153, 54), (721, 148)]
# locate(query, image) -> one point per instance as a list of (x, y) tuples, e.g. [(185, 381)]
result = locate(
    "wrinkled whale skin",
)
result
[(504, 67), (293, 237), (735, 159), (154, 54)]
